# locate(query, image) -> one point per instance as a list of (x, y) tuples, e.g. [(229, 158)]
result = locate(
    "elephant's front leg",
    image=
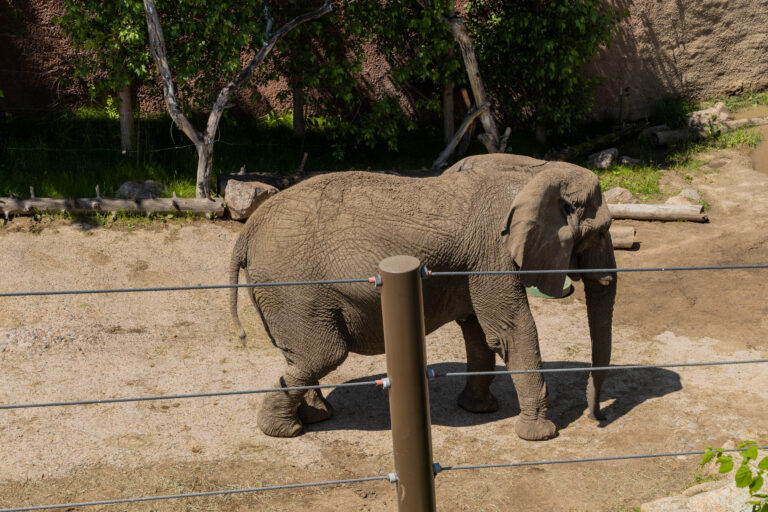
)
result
[(518, 343), (476, 396)]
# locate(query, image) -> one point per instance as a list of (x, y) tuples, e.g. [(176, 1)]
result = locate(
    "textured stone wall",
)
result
[(700, 48)]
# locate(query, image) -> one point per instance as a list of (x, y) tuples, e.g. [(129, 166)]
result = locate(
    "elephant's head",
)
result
[(559, 221)]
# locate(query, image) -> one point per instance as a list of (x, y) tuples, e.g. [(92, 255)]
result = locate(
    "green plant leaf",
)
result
[(756, 484), (708, 456), (726, 463), (763, 464), (743, 476), (750, 453)]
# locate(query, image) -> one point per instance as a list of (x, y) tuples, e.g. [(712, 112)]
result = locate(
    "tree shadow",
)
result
[(367, 408)]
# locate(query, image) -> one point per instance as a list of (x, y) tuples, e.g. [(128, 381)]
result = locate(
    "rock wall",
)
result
[(698, 48)]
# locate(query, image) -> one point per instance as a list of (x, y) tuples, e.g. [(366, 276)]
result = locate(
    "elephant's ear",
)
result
[(540, 235)]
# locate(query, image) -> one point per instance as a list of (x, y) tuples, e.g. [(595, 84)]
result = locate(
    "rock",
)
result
[(136, 190), (628, 160), (618, 195), (690, 194), (653, 129), (710, 115), (243, 197), (721, 496), (679, 200), (603, 159)]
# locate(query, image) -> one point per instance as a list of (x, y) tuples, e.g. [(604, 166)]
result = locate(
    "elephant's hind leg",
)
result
[(283, 414), (476, 396)]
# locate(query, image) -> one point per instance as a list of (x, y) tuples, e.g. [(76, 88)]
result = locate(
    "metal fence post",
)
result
[(403, 316)]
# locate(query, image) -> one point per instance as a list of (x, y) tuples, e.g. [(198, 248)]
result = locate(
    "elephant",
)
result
[(492, 212)]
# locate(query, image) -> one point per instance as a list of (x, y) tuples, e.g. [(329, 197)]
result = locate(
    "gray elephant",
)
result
[(492, 212)]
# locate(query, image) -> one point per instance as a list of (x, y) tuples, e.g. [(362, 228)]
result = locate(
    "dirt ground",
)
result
[(102, 346)]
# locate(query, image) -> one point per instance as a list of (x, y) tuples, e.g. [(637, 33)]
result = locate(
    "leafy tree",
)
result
[(114, 55), (532, 55), (209, 41)]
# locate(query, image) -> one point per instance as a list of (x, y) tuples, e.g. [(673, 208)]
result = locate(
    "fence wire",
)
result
[(433, 374), (192, 395), (195, 494), (376, 280), (370, 280), (592, 459), (431, 273)]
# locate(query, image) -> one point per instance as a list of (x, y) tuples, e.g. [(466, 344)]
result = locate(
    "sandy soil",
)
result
[(100, 346)]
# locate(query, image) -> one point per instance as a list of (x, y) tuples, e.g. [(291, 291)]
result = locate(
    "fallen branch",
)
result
[(664, 212), (449, 149), (15, 206)]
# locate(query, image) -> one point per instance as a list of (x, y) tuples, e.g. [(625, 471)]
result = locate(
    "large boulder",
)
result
[(619, 195), (721, 496), (243, 197), (603, 159), (138, 190)]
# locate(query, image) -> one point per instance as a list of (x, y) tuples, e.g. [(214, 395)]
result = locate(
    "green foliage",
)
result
[(750, 473), (683, 155), (111, 37), (642, 181), (532, 55), (673, 110), (67, 153)]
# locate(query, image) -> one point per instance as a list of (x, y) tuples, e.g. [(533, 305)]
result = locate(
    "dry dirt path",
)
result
[(78, 347)]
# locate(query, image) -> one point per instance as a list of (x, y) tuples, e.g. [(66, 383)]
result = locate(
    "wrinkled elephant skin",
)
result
[(490, 212)]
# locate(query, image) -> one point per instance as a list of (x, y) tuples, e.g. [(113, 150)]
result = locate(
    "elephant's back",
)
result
[(342, 225)]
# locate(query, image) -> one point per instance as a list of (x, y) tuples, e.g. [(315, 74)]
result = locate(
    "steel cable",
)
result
[(182, 288), (431, 273), (195, 494), (592, 459), (193, 395), (433, 374)]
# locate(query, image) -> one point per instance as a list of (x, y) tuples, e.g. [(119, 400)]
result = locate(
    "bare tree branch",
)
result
[(449, 149), (218, 106), (157, 47)]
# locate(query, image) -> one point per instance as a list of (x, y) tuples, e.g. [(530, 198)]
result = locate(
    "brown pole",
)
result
[(403, 314)]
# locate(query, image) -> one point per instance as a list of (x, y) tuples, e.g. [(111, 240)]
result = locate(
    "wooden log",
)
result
[(666, 212), (622, 237), (16, 206), (440, 163)]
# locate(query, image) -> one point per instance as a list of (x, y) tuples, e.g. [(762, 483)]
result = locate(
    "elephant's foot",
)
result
[(539, 429), (279, 424), (472, 401), (593, 399), (314, 407), (278, 416)]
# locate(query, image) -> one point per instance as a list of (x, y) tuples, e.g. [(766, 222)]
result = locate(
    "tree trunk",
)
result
[(448, 123), (204, 168), (127, 139), (204, 141), (459, 30), (298, 112)]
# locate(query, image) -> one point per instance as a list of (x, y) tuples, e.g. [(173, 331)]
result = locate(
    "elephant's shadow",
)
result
[(367, 408)]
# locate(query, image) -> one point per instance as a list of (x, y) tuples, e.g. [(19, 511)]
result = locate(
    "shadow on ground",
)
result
[(367, 408)]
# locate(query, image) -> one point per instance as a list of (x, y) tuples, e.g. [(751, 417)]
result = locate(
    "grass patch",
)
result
[(683, 156), (642, 181), (66, 153)]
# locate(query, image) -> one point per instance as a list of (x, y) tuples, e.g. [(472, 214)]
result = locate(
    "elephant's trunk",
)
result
[(601, 294), (237, 262)]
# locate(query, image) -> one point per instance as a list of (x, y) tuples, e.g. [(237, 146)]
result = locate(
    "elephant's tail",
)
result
[(238, 261)]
